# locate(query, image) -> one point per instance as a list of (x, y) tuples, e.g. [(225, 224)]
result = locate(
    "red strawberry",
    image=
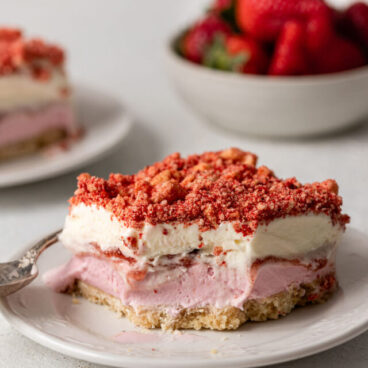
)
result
[(356, 18), (256, 58), (340, 22), (340, 54), (319, 33), (264, 19), (289, 57), (201, 35)]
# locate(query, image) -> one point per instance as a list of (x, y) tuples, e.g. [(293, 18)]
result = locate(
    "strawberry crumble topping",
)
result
[(207, 189), (18, 54)]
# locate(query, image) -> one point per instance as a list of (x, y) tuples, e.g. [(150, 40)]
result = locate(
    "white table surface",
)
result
[(118, 45)]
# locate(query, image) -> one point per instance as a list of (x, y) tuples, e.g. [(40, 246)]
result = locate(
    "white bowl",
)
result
[(272, 106)]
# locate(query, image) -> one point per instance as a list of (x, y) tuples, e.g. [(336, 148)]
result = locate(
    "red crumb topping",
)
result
[(208, 189), (116, 253), (217, 251), (34, 55)]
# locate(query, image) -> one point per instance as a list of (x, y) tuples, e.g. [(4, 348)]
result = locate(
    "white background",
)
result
[(117, 45)]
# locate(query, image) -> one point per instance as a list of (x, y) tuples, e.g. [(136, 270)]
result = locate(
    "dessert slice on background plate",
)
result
[(207, 241), (35, 107)]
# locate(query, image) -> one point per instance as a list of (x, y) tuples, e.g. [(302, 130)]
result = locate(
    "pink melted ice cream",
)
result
[(196, 286), (23, 125)]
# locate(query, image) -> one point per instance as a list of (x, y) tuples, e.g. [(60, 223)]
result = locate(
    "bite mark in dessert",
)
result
[(35, 106), (207, 241)]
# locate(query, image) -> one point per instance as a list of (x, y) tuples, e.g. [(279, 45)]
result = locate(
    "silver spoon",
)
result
[(17, 274)]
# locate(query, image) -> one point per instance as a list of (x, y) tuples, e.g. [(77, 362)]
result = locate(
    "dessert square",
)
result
[(35, 106), (207, 241)]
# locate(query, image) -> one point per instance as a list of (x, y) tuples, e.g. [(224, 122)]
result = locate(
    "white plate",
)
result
[(93, 333), (105, 122)]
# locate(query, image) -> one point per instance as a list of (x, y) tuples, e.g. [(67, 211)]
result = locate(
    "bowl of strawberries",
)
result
[(283, 68)]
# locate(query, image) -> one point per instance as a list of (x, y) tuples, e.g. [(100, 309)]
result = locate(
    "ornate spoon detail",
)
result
[(17, 274)]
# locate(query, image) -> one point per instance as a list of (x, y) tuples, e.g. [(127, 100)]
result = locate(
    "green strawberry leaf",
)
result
[(217, 57)]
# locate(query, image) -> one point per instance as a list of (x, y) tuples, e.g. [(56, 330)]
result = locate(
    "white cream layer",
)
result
[(22, 90), (288, 237)]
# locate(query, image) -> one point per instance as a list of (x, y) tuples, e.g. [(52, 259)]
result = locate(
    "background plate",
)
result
[(90, 332), (105, 123)]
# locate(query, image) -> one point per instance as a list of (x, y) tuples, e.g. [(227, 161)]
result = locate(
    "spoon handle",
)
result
[(33, 253), (19, 273)]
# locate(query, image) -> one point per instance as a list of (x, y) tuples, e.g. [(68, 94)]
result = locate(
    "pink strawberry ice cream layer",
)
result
[(23, 125), (196, 286)]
